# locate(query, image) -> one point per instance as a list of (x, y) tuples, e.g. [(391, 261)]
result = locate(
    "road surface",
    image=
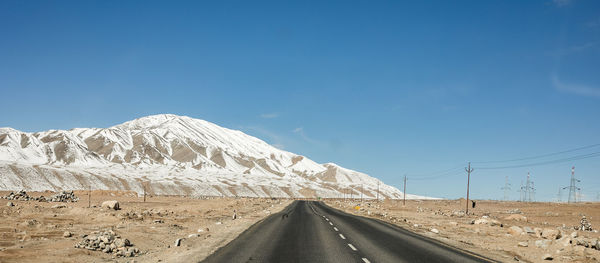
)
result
[(313, 232)]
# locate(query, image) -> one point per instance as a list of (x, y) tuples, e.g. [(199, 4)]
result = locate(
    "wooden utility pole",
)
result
[(469, 171), (404, 204)]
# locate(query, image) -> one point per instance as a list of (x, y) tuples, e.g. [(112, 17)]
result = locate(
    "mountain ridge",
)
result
[(172, 154)]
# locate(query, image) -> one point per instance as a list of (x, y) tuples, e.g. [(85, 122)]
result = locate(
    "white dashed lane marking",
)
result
[(335, 228), (342, 236), (351, 246), (366, 260), (331, 223)]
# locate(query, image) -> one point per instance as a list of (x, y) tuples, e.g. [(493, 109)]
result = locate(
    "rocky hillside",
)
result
[(169, 154)]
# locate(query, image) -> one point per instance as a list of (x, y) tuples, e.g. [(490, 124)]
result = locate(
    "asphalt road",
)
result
[(313, 232)]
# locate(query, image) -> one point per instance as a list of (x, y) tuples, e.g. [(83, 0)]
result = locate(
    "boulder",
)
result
[(523, 244), (486, 221), (528, 230), (547, 257), (543, 243), (113, 205), (551, 234), (574, 234), (67, 234), (178, 242), (516, 217), (515, 230)]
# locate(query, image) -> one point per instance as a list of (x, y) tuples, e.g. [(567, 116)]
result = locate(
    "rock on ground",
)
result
[(114, 205)]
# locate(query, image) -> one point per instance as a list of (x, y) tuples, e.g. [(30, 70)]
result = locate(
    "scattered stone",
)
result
[(59, 206), (565, 241), (484, 220), (113, 205), (9, 204), (523, 244), (453, 223), (234, 215), (516, 217), (158, 221), (64, 196), (574, 234), (528, 230), (192, 235), (547, 257), (219, 223), (543, 243), (515, 230), (67, 234), (515, 211), (178, 242), (585, 225), (551, 234), (435, 231), (108, 242)]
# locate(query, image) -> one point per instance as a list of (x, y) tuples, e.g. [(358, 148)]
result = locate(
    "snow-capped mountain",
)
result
[(175, 155)]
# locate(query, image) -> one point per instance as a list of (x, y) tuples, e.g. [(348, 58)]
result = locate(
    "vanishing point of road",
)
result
[(308, 231)]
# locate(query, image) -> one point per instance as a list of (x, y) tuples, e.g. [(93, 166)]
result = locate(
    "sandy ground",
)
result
[(490, 240), (33, 231)]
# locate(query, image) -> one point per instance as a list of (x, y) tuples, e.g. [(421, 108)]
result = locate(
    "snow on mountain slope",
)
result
[(171, 154)]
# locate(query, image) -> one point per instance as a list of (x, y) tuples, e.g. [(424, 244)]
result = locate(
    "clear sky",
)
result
[(386, 88)]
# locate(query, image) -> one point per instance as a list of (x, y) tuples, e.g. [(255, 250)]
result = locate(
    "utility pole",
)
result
[(506, 188), (89, 196), (404, 204), (378, 191), (361, 192), (573, 188), (469, 171), (144, 187)]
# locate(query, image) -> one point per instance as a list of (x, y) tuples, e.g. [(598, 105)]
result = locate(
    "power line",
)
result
[(437, 176), (441, 172), (573, 158), (543, 155)]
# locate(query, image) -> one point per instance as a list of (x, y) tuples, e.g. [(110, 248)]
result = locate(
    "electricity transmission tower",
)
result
[(532, 193), (573, 187), (559, 195), (506, 188), (522, 192)]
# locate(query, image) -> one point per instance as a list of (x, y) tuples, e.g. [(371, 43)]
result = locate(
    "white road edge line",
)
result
[(342, 236), (366, 260), (351, 246), (335, 228)]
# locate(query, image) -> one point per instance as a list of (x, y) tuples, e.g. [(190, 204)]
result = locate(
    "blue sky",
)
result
[(387, 88)]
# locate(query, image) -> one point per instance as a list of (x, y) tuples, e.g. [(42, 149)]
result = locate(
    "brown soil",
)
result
[(33, 231), (494, 242)]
